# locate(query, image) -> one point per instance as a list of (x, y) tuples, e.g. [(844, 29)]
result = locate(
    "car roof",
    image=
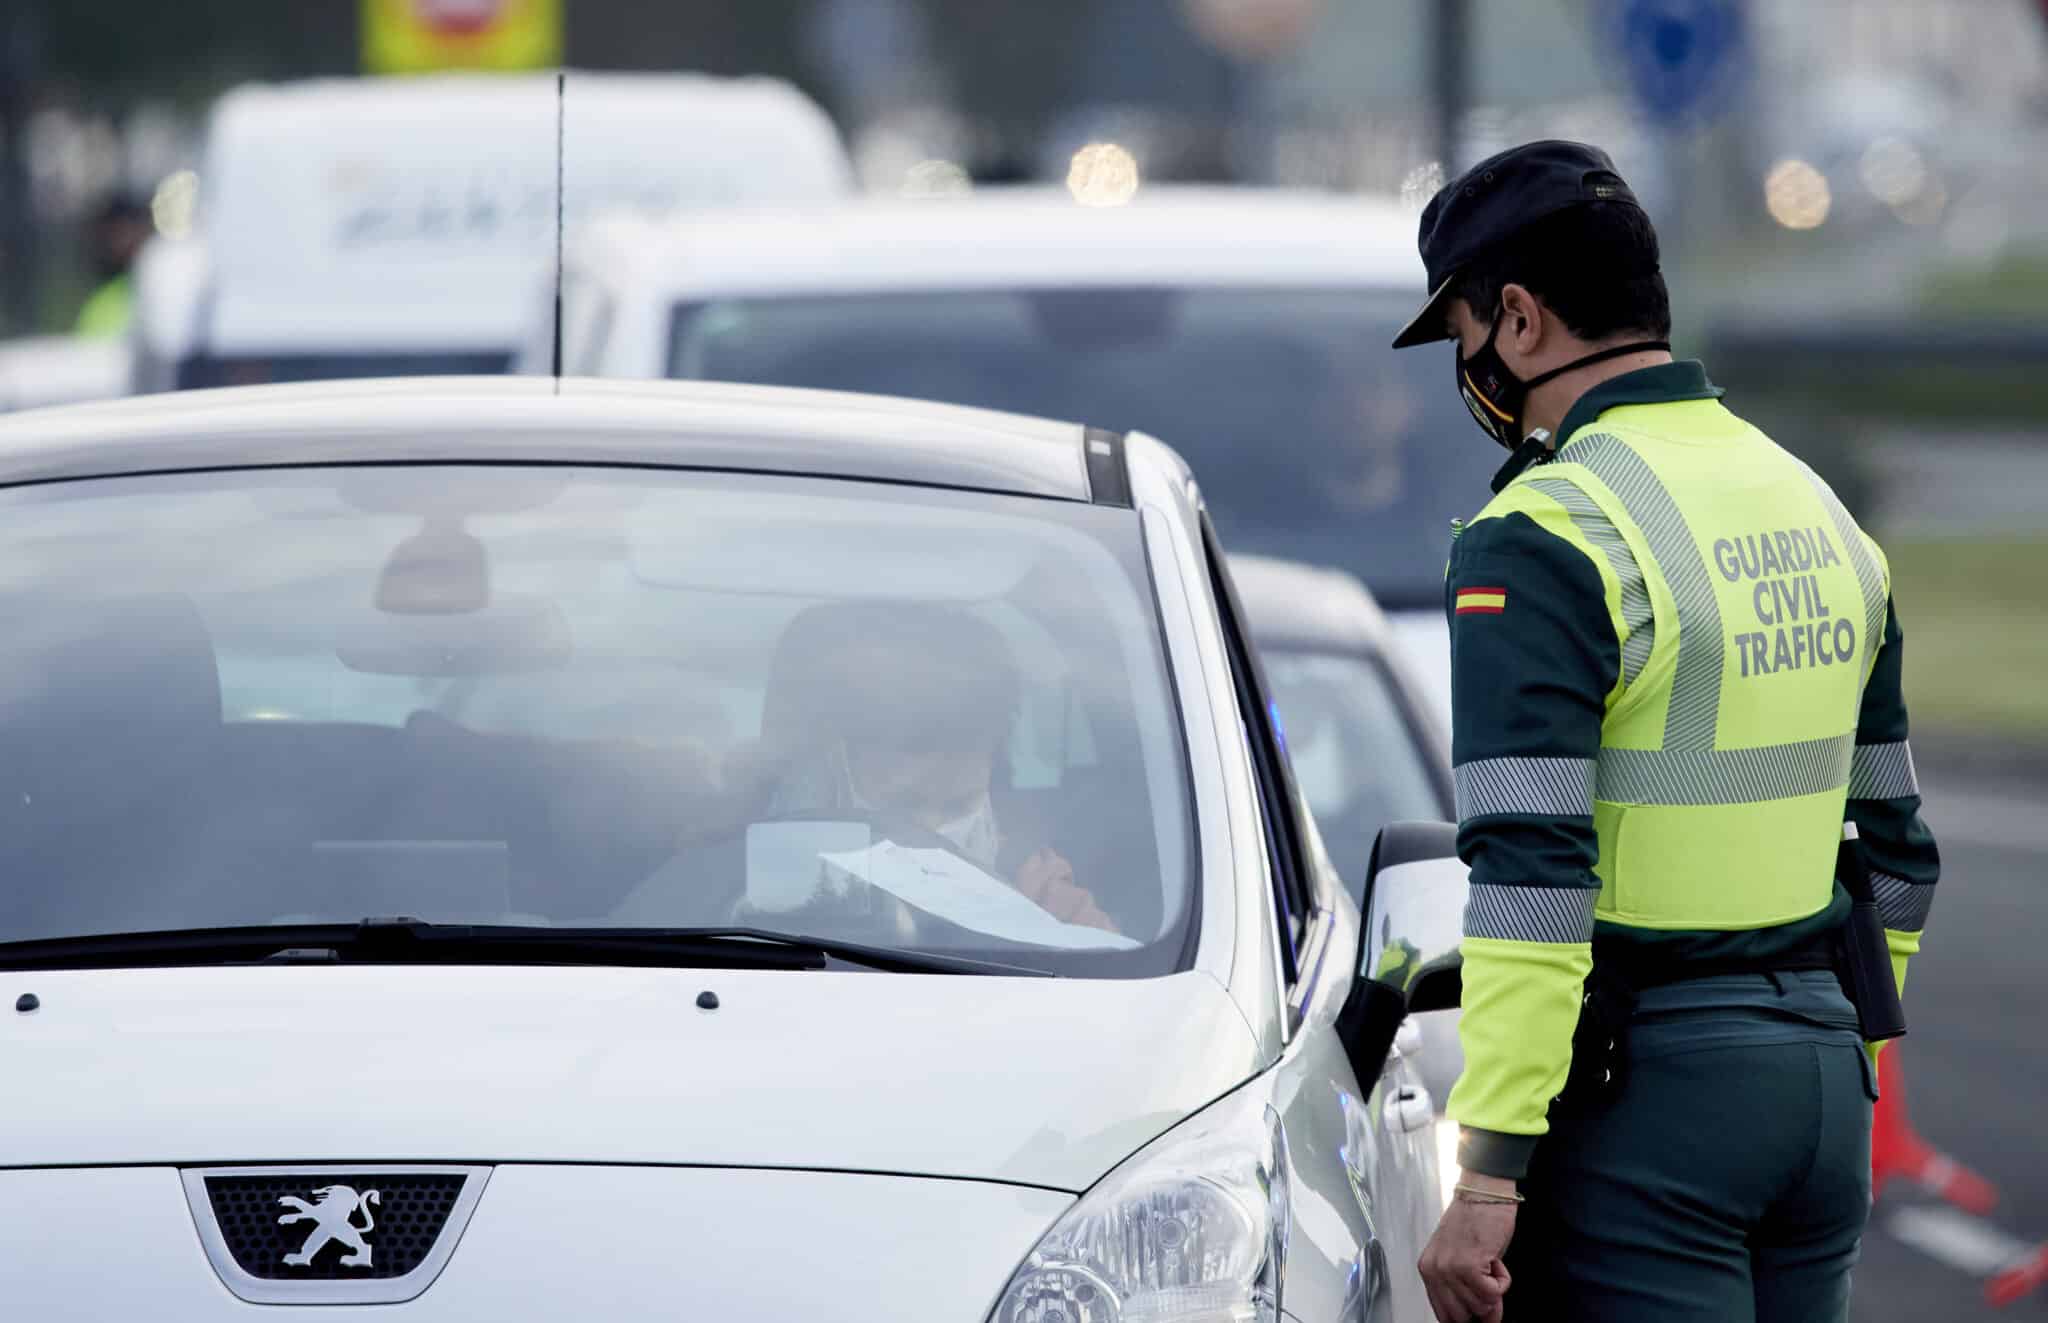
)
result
[(530, 420), (1310, 607), (426, 98), (1007, 237)]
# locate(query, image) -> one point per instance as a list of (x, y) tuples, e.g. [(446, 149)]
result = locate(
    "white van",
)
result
[(367, 227)]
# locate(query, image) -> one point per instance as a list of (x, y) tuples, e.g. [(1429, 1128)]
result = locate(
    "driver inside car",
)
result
[(897, 713)]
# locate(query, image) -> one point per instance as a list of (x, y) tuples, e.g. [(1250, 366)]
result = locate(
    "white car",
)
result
[(397, 226), (1360, 732), (1251, 328), (644, 851)]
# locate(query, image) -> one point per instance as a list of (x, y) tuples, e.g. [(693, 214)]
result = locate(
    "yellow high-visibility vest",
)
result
[(425, 36), (1749, 613)]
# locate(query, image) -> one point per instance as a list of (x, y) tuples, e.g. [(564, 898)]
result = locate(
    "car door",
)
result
[(1363, 1146)]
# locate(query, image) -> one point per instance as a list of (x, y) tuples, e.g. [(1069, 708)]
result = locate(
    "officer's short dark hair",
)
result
[(1595, 266), (121, 208)]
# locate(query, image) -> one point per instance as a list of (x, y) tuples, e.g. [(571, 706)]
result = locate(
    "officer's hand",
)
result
[(1462, 1268)]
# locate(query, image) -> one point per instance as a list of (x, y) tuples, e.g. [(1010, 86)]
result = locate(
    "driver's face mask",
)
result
[(945, 793)]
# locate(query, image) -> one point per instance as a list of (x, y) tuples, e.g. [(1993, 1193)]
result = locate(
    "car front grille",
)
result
[(406, 1218)]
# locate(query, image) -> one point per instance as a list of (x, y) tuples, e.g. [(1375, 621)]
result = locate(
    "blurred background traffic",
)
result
[(1852, 197)]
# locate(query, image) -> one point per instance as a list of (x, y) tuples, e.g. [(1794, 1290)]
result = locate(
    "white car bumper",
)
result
[(556, 1242)]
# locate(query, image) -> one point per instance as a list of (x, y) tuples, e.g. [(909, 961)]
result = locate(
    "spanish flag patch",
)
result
[(1482, 601)]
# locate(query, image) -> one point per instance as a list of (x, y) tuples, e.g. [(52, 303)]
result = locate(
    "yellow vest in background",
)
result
[(426, 36)]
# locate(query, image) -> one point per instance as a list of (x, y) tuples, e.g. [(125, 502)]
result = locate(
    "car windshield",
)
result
[(486, 695), (1311, 438), (1358, 758)]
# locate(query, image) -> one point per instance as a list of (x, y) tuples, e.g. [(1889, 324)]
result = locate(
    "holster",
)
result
[(1600, 1042), (1863, 959)]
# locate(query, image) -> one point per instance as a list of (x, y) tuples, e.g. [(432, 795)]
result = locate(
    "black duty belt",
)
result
[(1856, 952), (1600, 1043), (1816, 954)]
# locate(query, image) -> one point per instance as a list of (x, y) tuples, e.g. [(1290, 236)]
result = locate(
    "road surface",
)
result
[(1976, 1059)]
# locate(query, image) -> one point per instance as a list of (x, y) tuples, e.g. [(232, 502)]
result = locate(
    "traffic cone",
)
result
[(1897, 1150), (2023, 1278)]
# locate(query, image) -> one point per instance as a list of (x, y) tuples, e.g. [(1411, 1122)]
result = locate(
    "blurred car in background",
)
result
[(1361, 735), (61, 369), (375, 227), (1366, 746), (740, 967), (1249, 327)]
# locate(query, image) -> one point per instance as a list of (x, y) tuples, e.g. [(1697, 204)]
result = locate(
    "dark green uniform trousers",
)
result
[(1728, 1181)]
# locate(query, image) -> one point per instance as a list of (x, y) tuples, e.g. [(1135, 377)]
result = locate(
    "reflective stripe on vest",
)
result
[(1696, 688), (1723, 776), (1594, 525), (1867, 573)]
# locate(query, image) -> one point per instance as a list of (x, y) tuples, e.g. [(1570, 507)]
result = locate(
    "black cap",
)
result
[(1494, 199)]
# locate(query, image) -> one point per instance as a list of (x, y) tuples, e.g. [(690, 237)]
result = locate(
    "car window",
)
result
[(556, 696), (587, 310), (1359, 761), (1312, 439), (202, 370), (1049, 733)]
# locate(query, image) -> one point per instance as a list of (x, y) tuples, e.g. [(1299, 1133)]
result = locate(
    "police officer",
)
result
[(1675, 673), (118, 233)]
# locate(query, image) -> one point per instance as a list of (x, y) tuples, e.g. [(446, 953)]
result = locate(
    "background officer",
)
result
[(117, 234), (1675, 672)]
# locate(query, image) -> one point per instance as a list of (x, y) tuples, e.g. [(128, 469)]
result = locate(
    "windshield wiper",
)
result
[(408, 941), (891, 958)]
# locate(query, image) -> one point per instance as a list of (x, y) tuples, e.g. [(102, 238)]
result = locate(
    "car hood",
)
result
[(1043, 1082)]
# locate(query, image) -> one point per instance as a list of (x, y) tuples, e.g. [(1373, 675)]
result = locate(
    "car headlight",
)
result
[(1192, 1229)]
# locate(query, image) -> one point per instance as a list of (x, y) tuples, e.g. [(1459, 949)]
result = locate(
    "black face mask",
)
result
[(1496, 396)]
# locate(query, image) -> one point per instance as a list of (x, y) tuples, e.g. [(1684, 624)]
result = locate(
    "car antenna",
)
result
[(561, 88)]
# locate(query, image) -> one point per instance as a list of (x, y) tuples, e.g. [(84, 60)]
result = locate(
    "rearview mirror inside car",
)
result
[(1408, 939), (511, 636)]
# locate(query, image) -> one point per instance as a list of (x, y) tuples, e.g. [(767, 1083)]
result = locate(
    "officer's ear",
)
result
[(1523, 321)]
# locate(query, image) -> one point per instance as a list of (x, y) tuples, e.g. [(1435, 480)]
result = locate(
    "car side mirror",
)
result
[(1408, 938)]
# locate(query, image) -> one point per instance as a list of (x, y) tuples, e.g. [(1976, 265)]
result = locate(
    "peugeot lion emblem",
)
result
[(332, 1214)]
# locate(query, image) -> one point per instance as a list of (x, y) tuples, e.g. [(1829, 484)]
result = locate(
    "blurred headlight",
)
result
[(1193, 1229)]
